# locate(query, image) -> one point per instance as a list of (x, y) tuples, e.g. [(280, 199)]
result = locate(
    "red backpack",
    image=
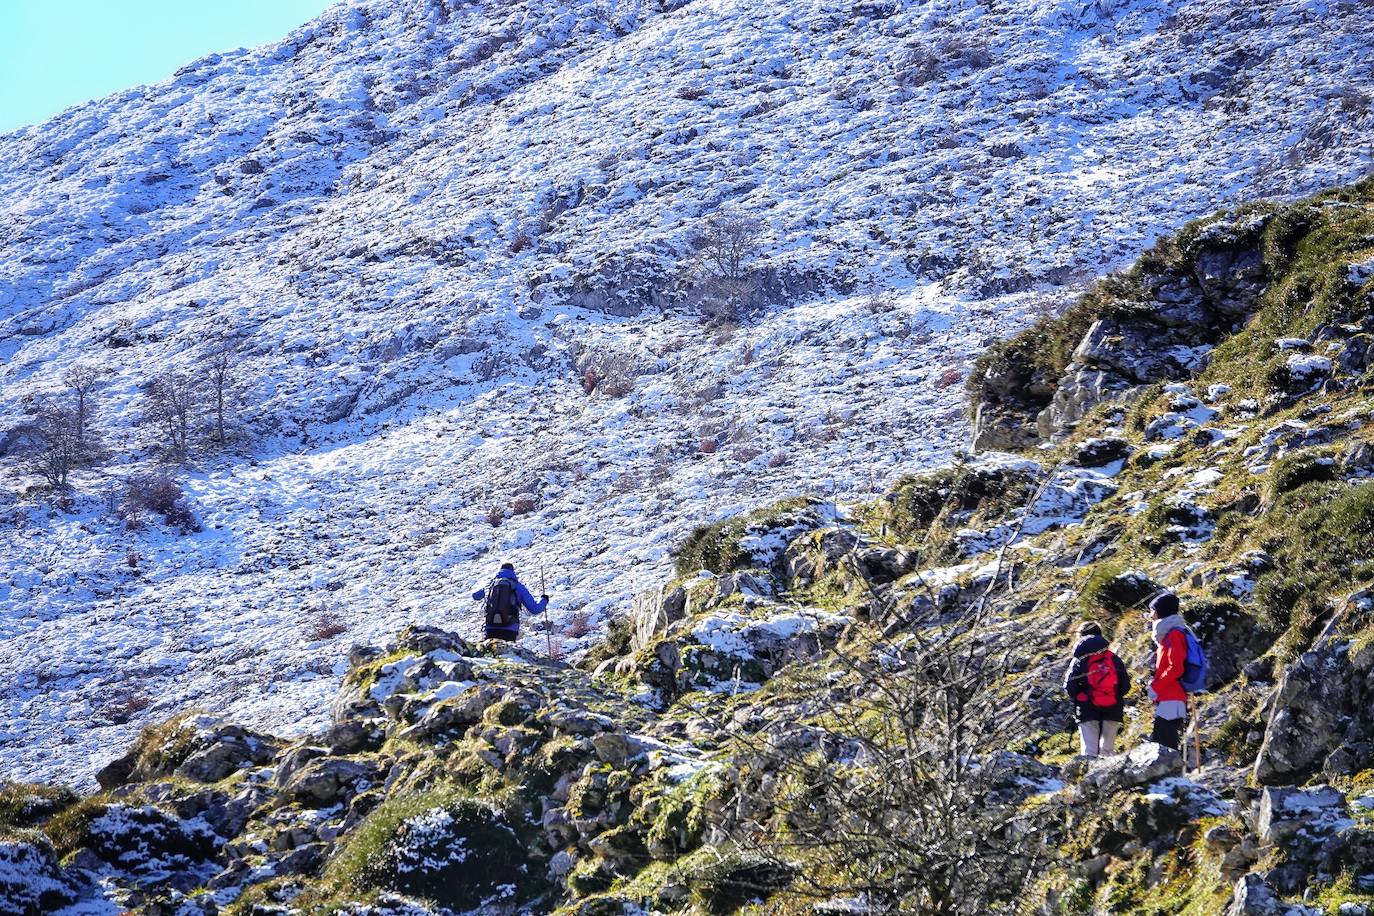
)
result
[(1102, 681)]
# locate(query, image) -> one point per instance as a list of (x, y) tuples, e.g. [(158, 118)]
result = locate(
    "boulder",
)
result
[(998, 430), (1094, 453), (461, 712), (652, 612), (1142, 765), (201, 748), (224, 750), (1285, 811), (148, 840), (328, 780), (354, 735), (1253, 897)]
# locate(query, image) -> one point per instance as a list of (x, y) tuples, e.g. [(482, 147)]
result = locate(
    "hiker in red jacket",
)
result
[(1166, 689), (1097, 682)]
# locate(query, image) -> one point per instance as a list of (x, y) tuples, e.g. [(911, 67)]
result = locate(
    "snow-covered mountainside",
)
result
[(428, 228)]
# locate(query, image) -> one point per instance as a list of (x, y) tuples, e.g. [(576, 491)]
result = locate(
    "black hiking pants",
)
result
[(507, 635), (1168, 732)]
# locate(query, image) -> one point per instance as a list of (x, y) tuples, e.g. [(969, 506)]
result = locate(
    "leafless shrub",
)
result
[(83, 380), (524, 505), (610, 373), (222, 389), (627, 482), (161, 495), (520, 243), (925, 63), (326, 625), (949, 377), (124, 704), (745, 454), (708, 445), (170, 404), (495, 516), (691, 92), (579, 625), (779, 458), (590, 379)]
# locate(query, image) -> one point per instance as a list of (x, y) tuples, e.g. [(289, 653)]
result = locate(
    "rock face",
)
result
[(1161, 328), (1322, 715), (1140, 766)]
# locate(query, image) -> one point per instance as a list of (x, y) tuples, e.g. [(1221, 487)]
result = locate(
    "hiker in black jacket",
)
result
[(1097, 682)]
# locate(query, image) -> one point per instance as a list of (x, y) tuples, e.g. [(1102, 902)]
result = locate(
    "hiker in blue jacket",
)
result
[(501, 603)]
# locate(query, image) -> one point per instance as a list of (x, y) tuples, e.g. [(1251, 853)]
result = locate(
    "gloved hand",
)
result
[(544, 599)]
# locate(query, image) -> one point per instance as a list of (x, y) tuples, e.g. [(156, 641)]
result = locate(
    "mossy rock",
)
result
[(454, 851), (1293, 471), (1113, 591), (735, 879), (719, 546)]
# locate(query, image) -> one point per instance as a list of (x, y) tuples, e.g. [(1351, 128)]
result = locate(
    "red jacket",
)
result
[(1170, 658)]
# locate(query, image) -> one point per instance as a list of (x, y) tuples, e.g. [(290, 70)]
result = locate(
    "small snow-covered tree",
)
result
[(52, 443), (170, 403), (83, 380), (726, 248)]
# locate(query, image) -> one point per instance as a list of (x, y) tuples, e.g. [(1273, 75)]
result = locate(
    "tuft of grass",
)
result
[(26, 805), (717, 546)]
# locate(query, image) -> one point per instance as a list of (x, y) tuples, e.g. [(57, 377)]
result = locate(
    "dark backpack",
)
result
[(1194, 678), (1103, 688), (503, 604)]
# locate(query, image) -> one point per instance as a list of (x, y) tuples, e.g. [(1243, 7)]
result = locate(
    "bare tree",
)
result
[(170, 404), (82, 380), (53, 445), (906, 797), (222, 384), (726, 248), (902, 791)]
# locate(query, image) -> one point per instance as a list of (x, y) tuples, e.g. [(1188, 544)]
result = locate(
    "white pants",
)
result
[(1099, 738)]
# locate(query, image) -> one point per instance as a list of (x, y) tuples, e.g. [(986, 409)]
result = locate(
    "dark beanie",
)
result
[(1166, 605)]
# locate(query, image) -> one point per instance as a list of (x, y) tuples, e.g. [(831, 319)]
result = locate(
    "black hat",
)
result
[(1166, 605)]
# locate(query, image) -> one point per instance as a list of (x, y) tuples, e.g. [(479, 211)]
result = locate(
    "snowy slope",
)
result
[(423, 220)]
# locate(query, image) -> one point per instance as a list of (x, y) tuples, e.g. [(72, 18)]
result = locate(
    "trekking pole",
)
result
[(1197, 744), (548, 628)]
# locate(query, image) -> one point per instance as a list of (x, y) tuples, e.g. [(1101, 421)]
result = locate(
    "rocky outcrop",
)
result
[(1157, 323), (1322, 715)]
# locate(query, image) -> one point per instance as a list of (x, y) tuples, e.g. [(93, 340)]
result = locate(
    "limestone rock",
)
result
[(225, 750), (327, 780), (1143, 764), (1284, 811), (652, 612), (1253, 897)]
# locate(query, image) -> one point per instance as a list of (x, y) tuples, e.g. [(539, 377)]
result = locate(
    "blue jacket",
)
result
[(534, 607)]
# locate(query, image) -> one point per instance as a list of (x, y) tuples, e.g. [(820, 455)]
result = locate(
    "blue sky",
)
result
[(58, 53)]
